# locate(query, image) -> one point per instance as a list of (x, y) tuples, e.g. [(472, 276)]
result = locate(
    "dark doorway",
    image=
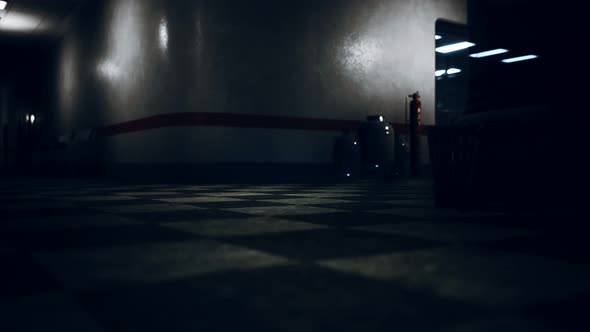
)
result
[(451, 72)]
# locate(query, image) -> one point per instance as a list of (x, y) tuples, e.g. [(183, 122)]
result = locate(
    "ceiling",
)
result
[(525, 26), (46, 18)]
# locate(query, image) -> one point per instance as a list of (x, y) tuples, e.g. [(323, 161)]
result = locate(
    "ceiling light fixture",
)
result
[(520, 58), (454, 47), (488, 53), (437, 37), (439, 73), (3, 5)]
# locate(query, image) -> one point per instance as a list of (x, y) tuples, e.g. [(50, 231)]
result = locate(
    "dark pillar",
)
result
[(414, 133)]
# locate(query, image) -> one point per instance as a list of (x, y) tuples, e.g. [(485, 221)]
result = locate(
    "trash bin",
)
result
[(376, 138), (347, 158)]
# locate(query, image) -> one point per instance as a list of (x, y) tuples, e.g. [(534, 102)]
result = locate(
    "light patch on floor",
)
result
[(147, 208), (200, 199), (241, 227), (448, 231), (151, 262), (283, 210), (306, 201), (485, 278)]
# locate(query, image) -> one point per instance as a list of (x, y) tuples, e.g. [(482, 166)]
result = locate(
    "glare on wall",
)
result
[(359, 56), (108, 69), (163, 34)]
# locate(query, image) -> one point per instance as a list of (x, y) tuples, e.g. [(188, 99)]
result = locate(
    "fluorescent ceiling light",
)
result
[(437, 37), (15, 21), (452, 71), (3, 5), (439, 73), (488, 53), (454, 47), (520, 58)]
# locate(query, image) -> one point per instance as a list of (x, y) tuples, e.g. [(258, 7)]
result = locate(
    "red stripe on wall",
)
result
[(194, 119), (197, 119)]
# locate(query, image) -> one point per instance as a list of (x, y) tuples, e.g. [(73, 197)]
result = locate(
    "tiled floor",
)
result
[(86, 256)]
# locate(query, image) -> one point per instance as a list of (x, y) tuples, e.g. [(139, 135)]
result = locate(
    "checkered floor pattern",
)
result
[(363, 256)]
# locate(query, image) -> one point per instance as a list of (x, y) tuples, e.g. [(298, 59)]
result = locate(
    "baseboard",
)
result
[(222, 173)]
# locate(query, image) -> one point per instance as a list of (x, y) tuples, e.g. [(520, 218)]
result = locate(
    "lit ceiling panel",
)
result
[(36, 16), (19, 22)]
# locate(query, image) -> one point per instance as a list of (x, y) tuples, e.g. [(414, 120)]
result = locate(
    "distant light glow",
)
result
[(380, 118), (163, 32), (355, 143), (452, 71), (520, 58), (386, 127), (488, 53), (387, 132), (437, 37), (439, 73), (376, 166), (32, 119), (3, 5), (454, 47), (27, 118), (348, 174)]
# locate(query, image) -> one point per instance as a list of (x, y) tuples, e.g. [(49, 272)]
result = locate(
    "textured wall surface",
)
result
[(129, 59)]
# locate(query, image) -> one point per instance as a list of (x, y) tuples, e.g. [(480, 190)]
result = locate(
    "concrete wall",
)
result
[(124, 60)]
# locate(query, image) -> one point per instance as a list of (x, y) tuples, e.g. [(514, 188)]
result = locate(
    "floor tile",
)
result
[(276, 298), (480, 277), (53, 311), (307, 201), (329, 243), (283, 210), (150, 262), (240, 227)]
